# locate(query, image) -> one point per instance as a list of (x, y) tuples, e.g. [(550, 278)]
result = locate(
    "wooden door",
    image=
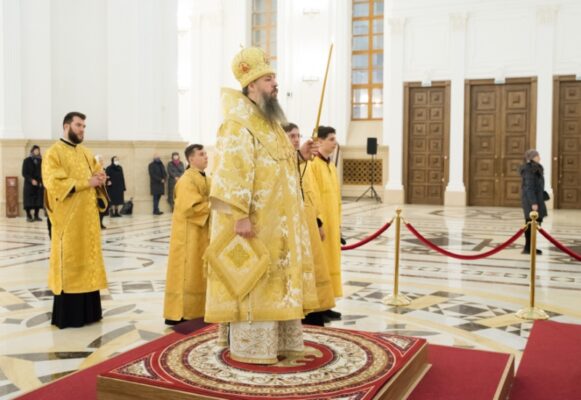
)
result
[(501, 127), (567, 143), (426, 138)]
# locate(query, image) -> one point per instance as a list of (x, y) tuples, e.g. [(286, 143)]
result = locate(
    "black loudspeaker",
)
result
[(371, 146)]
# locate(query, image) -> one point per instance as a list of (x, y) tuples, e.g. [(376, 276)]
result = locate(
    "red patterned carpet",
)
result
[(338, 364), (456, 374), (551, 363)]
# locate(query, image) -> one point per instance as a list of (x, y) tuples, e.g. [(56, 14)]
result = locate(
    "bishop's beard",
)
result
[(272, 110)]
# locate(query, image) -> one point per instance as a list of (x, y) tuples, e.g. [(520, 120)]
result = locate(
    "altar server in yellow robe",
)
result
[(328, 199), (325, 293), (185, 289), (259, 255), (74, 184)]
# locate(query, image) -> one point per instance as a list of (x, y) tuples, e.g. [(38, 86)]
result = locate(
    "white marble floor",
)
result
[(460, 303)]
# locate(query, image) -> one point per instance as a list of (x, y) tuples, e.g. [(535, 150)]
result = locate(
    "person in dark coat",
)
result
[(33, 197), (115, 187), (533, 193), (157, 178), (175, 169)]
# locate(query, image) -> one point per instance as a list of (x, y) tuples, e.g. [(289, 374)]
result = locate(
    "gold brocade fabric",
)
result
[(255, 175), (76, 261), (328, 204), (325, 292), (262, 342), (185, 290)]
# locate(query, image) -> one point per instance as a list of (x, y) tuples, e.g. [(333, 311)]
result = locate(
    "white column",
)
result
[(10, 82), (455, 191), (36, 69), (142, 70), (546, 18), (393, 107)]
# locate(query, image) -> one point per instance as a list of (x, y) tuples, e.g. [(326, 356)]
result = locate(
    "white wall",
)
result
[(114, 60), (469, 39), (211, 34)]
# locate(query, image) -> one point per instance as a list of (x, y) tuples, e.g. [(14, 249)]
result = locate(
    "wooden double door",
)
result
[(567, 142), (426, 142), (500, 126)]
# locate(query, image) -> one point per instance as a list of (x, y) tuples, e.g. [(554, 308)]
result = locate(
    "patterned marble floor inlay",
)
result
[(470, 304)]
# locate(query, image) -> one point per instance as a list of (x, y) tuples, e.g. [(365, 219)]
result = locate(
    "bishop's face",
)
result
[(267, 86)]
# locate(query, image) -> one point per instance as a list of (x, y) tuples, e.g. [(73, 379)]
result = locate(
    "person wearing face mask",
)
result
[(74, 184), (533, 195), (33, 189), (157, 178), (115, 187), (175, 169)]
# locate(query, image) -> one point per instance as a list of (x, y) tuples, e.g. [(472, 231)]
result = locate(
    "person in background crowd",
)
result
[(175, 169), (33, 189), (102, 210), (157, 178), (115, 187), (74, 182), (533, 193)]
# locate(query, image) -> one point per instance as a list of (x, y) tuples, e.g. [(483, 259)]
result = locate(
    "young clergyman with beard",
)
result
[(74, 181)]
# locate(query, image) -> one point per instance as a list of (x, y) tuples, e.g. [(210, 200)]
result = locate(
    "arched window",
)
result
[(367, 60), (264, 27)]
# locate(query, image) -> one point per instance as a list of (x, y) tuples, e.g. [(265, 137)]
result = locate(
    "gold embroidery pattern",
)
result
[(238, 255)]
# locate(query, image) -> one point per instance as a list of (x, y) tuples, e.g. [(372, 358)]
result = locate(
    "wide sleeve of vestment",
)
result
[(234, 171), (55, 177)]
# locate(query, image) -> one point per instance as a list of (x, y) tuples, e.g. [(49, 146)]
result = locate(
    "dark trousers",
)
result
[(528, 234), (28, 209), (156, 198)]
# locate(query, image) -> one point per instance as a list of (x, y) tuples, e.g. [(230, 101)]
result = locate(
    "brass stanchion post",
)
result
[(532, 312), (397, 299)]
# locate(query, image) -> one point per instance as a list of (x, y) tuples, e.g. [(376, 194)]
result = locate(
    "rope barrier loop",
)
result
[(560, 245), (369, 238), (448, 253)]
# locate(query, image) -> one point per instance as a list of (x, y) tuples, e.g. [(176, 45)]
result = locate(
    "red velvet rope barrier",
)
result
[(367, 239), (445, 252), (559, 245)]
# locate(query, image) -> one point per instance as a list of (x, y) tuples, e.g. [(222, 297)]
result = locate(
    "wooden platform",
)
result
[(337, 364)]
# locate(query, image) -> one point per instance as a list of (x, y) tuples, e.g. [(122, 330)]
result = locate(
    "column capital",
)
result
[(547, 14), (458, 21), (396, 25)]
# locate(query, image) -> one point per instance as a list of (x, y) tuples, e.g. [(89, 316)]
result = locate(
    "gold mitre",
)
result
[(250, 64)]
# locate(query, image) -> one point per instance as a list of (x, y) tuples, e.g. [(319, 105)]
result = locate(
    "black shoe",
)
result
[(173, 322), (37, 218), (117, 215), (332, 315), (157, 212), (314, 318), (29, 219), (528, 251), (103, 226)]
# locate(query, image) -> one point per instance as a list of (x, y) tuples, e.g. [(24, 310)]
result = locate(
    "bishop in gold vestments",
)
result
[(259, 255), (185, 289), (73, 195)]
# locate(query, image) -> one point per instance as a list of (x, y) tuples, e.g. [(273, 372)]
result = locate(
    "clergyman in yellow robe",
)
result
[(328, 201), (259, 257), (74, 187), (185, 288), (325, 293)]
